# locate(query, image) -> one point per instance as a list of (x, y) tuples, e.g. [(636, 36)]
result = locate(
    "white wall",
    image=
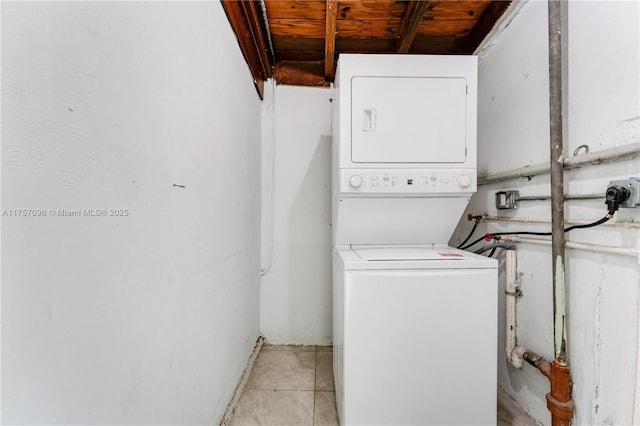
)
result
[(603, 110), (147, 318), (296, 291)]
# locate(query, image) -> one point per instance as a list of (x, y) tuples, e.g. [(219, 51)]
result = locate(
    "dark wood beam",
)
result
[(330, 39), (409, 25), (251, 31), (485, 23)]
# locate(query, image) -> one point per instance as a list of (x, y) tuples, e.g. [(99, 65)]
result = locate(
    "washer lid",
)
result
[(399, 253)]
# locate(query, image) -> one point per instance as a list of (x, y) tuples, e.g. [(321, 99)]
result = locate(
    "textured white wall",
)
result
[(296, 292), (147, 318), (603, 110)]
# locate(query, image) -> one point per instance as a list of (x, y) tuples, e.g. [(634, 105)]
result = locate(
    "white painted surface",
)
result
[(405, 319), (408, 120), (296, 292), (360, 75), (603, 106), (147, 318)]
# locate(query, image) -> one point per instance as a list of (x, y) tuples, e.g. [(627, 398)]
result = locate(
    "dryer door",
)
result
[(408, 120)]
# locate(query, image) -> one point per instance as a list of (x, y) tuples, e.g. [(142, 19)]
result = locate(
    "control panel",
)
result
[(408, 182)]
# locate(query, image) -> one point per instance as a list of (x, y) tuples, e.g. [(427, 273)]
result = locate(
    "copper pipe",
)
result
[(559, 400)]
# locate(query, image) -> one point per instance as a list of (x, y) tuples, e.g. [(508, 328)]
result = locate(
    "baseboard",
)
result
[(237, 393)]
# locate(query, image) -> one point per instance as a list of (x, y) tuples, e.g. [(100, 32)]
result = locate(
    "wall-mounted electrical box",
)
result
[(507, 200), (633, 186)]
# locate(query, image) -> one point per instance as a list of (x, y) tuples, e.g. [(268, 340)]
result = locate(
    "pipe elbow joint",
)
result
[(516, 357)]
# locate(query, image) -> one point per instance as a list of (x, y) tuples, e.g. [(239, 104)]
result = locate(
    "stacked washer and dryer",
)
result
[(415, 321)]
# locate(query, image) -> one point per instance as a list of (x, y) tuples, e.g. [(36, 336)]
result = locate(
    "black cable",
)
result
[(493, 250), (590, 225), (474, 242), (497, 234), (475, 225), (494, 246)]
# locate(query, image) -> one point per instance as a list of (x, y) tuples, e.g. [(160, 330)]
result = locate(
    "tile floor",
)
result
[(293, 385)]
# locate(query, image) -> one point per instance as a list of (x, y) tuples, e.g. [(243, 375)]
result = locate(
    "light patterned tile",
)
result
[(324, 371), (325, 413), (257, 407), (283, 370), (288, 348), (510, 413)]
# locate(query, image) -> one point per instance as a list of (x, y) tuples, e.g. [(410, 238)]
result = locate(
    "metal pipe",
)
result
[(596, 248), (559, 400), (617, 153), (566, 197), (537, 361), (631, 225), (556, 169)]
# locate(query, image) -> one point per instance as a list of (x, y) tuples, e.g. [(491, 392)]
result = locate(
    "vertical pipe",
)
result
[(559, 400), (556, 169), (510, 304)]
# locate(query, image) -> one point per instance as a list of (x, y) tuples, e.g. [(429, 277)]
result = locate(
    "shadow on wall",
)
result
[(310, 252)]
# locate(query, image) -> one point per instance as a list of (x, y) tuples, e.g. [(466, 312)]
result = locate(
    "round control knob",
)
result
[(464, 181), (355, 181)]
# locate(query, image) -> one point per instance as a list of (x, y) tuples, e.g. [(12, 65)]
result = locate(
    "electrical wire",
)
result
[(475, 225), (490, 236), (494, 246)]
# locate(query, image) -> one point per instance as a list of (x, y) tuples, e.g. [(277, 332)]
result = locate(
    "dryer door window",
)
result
[(408, 120)]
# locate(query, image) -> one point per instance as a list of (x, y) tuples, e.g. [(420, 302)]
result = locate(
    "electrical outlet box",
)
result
[(633, 185), (507, 200)]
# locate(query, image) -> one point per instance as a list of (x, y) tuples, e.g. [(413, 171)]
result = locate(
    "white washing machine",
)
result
[(415, 321), (415, 336)]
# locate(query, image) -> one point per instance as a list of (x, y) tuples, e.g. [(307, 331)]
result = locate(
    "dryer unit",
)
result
[(404, 126)]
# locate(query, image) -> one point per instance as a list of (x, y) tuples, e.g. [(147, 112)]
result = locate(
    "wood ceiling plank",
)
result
[(450, 5), (330, 39), (436, 45), (446, 27), (293, 44), (353, 28), (485, 23), (409, 25), (295, 9), (364, 45), (465, 10), (377, 10), (299, 55), (297, 27)]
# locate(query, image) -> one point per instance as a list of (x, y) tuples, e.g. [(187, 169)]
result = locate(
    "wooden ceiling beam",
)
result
[(409, 26), (485, 23), (251, 31), (330, 39)]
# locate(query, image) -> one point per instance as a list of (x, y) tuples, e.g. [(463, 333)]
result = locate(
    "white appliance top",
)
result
[(394, 257), (374, 253)]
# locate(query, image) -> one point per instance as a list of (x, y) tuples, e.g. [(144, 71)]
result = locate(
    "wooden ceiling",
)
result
[(298, 41)]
